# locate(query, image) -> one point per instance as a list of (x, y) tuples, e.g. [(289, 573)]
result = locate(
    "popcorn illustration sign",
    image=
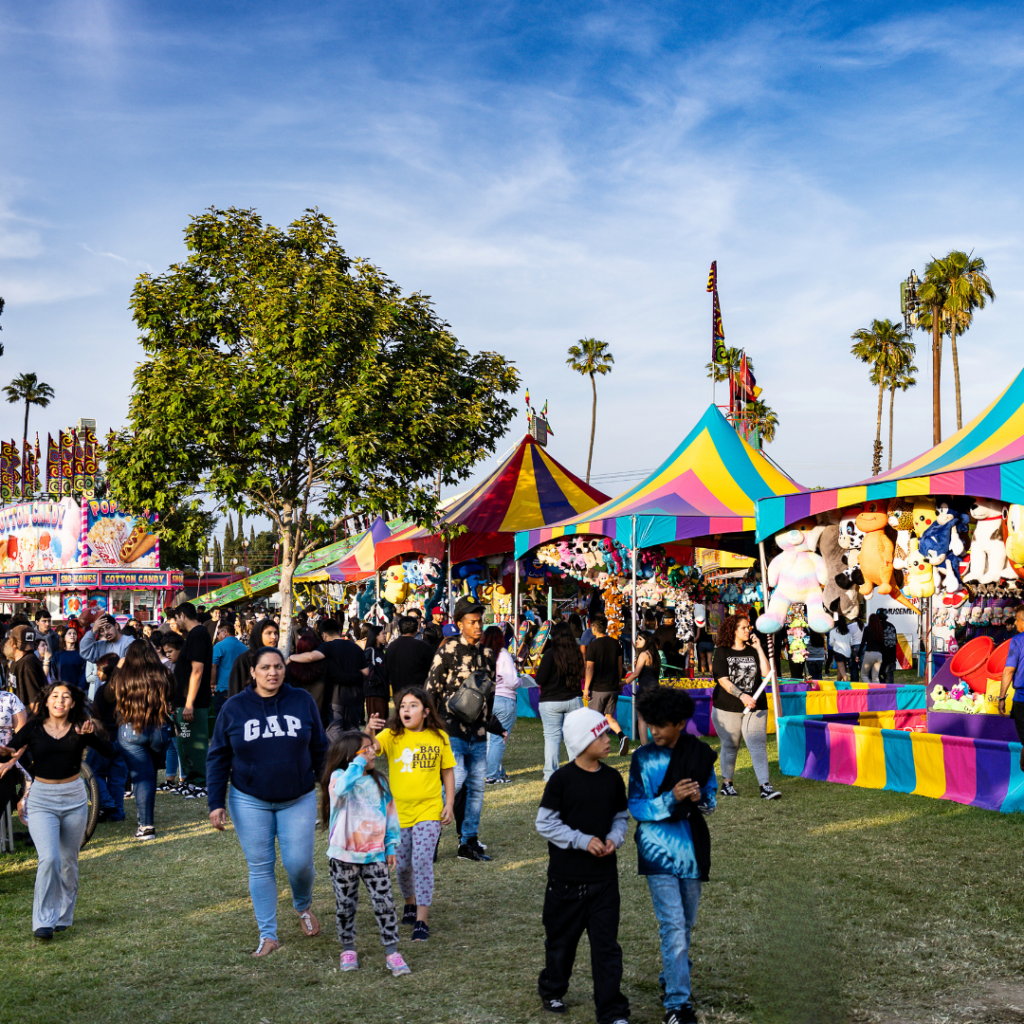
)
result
[(40, 536), (116, 538)]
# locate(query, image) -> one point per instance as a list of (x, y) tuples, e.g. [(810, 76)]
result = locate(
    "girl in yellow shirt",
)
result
[(420, 762)]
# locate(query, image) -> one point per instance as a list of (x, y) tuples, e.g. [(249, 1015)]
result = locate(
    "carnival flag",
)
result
[(7, 470), (52, 465), (718, 352), (67, 458), (78, 465), (713, 276)]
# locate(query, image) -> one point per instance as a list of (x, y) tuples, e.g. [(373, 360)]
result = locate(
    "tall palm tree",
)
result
[(875, 346), (591, 357), (731, 364), (901, 379), (964, 287), (932, 296), (763, 419), (27, 388)]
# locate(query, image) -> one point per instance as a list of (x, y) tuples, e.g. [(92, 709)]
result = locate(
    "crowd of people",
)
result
[(255, 731)]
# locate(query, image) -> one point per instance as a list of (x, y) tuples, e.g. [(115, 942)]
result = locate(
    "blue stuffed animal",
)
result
[(942, 546), (473, 574)]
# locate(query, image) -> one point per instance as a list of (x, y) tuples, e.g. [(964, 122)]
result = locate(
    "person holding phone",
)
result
[(739, 666)]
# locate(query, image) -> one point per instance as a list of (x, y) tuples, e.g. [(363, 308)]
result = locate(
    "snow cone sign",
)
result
[(116, 538), (36, 536)]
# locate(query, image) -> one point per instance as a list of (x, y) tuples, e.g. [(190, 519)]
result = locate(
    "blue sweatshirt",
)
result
[(272, 747)]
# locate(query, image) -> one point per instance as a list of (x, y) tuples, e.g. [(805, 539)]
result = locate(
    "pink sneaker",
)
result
[(349, 960), (396, 965)]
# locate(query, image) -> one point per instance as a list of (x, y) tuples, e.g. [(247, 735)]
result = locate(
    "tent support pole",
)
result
[(928, 644), (449, 609), (635, 729), (515, 603), (771, 642)]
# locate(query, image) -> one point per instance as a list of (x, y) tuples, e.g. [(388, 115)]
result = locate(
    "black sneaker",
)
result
[(60, 928), (471, 851), (490, 782), (420, 931), (623, 745), (409, 914), (683, 1015), (146, 832), (190, 792), (554, 1005), (728, 789), (43, 933), (767, 793)]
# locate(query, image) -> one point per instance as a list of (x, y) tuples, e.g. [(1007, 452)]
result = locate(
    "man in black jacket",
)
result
[(407, 659), (346, 672), (26, 675)]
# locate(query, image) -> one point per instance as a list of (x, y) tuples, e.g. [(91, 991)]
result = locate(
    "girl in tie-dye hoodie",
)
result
[(363, 835)]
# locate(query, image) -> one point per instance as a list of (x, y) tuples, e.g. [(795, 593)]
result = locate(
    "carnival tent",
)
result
[(528, 489), (984, 459), (356, 565), (705, 489)]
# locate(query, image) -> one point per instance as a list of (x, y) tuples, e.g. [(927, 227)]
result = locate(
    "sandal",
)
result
[(266, 947), (308, 923)]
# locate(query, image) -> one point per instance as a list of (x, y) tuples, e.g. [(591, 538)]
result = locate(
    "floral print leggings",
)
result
[(416, 862)]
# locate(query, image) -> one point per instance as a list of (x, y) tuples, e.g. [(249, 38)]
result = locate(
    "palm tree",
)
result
[(964, 287), (762, 418), (901, 378), (590, 357), (932, 297), (28, 388), (731, 364), (875, 345)]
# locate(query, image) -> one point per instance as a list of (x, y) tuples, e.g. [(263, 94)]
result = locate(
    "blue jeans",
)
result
[(142, 752), (675, 906), (257, 822), (470, 771), (505, 712), (552, 712), (172, 766), (111, 778)]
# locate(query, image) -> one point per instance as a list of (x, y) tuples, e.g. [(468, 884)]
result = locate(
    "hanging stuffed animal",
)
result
[(922, 515), (1013, 533), (901, 519), (876, 553), (797, 574), (396, 590), (988, 552), (838, 600), (942, 546), (920, 574), (473, 573)]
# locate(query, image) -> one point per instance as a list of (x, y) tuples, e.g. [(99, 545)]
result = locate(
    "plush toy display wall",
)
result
[(797, 575)]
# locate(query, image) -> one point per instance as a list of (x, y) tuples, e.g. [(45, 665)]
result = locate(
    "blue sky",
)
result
[(546, 172)]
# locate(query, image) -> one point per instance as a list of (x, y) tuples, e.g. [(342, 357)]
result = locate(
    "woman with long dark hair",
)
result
[(265, 633), (560, 678), (505, 686), (377, 688), (736, 714), (55, 807), (311, 676), (142, 691), (874, 646), (646, 671), (67, 665), (269, 742)]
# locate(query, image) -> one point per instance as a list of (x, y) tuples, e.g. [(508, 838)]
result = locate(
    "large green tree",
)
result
[(286, 379), (27, 388), (591, 357), (876, 345), (956, 285)]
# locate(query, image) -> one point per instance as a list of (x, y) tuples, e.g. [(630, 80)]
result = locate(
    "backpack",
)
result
[(469, 701)]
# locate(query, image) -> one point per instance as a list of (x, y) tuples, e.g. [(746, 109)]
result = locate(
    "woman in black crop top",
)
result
[(55, 807)]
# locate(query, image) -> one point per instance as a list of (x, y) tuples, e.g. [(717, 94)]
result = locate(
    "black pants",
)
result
[(1017, 714), (345, 717), (570, 908)]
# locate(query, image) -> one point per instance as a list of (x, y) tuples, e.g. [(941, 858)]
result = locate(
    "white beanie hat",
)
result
[(580, 728)]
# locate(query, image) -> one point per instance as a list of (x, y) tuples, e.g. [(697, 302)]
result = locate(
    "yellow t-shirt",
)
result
[(415, 761)]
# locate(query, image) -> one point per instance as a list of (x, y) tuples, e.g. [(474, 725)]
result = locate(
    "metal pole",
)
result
[(928, 645), (636, 725), (771, 644), (449, 577), (515, 603)]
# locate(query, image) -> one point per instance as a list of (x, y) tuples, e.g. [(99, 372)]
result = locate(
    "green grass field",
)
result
[(832, 904)]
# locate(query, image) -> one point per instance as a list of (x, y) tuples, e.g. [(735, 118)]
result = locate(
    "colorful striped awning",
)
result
[(706, 488), (528, 489), (985, 459), (354, 566)]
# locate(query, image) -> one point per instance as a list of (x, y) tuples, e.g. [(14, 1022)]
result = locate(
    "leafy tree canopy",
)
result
[(283, 377)]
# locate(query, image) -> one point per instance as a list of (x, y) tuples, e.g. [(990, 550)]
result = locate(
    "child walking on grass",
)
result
[(583, 817), (362, 837), (672, 785), (420, 761)]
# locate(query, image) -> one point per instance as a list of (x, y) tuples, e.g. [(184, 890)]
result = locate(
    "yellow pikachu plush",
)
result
[(919, 573)]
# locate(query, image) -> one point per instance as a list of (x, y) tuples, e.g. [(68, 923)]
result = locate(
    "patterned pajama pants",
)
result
[(345, 878), (416, 862)]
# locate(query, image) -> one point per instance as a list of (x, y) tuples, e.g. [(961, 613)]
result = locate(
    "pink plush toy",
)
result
[(797, 575)]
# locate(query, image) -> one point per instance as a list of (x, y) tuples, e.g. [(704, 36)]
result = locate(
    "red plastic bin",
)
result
[(970, 663)]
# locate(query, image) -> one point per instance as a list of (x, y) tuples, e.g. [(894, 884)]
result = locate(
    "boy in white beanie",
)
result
[(583, 816)]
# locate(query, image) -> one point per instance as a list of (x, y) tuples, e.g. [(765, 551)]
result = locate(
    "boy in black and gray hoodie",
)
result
[(583, 817)]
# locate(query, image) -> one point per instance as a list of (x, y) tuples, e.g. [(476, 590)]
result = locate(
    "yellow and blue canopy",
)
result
[(707, 487), (984, 459)]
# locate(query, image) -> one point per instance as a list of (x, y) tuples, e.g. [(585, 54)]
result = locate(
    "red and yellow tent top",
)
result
[(528, 489)]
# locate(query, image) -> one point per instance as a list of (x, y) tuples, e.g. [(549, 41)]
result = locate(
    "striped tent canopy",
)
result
[(358, 564), (705, 489), (984, 459), (528, 489)]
